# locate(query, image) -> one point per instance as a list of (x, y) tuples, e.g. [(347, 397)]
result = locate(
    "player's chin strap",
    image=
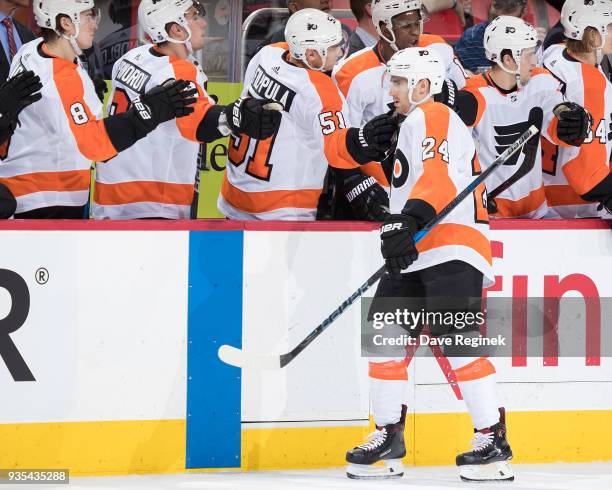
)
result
[(72, 39), (323, 56), (516, 73)]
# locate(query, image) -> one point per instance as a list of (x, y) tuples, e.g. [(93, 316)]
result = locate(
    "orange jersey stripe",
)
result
[(395, 370), (427, 39), (472, 85), (335, 149), (507, 208), (590, 167), (188, 125), (435, 186), (447, 234), (480, 368), (143, 191), (353, 67), (562, 195), (90, 133), (261, 202), (68, 181)]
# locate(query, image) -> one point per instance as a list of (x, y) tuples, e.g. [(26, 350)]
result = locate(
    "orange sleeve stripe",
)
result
[(538, 70), (478, 369), (91, 137), (188, 125), (507, 208), (374, 169), (143, 191), (68, 181), (447, 234), (434, 185), (427, 39), (262, 202), (590, 167), (281, 44), (353, 67), (334, 144), (563, 195), (390, 370), (473, 84)]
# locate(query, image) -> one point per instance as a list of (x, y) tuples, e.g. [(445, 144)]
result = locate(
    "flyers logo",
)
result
[(506, 135)]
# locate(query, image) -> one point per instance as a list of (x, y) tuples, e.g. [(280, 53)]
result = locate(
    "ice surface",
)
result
[(558, 476)]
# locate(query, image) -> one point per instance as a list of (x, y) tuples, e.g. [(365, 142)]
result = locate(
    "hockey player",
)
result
[(281, 177), (363, 81), (155, 178), (434, 160), (576, 183), (503, 102), (46, 164)]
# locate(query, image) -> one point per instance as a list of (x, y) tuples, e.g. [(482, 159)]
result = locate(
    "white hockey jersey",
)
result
[(572, 172), (47, 160), (155, 177), (436, 159), (362, 78), (501, 117), (282, 177)]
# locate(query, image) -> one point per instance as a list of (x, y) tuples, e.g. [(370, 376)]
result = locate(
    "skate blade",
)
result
[(500, 471), (393, 468)]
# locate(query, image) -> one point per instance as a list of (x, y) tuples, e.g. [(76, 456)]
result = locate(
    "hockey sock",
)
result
[(388, 386), (477, 379)]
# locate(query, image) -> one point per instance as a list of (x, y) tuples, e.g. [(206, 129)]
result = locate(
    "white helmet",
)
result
[(384, 10), (46, 12), (312, 29), (507, 32), (155, 15), (577, 15), (415, 64)]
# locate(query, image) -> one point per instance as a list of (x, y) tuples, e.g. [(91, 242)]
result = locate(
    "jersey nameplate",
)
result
[(268, 87), (132, 77)]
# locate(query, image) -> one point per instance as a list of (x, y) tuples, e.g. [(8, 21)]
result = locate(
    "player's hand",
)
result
[(16, 94), (448, 96), (253, 118), (164, 102), (574, 123), (101, 87), (377, 135), (397, 242), (368, 199)]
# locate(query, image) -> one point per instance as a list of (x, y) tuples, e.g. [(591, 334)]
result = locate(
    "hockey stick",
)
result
[(239, 358)]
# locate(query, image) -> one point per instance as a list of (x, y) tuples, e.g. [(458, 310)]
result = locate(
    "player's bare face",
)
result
[(528, 63), (87, 28), (407, 29), (399, 92), (324, 5), (197, 25)]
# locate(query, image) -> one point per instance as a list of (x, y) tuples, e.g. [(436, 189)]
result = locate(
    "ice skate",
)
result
[(490, 456), (385, 444)]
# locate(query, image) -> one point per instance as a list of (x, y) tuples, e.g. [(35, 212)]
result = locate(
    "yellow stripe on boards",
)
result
[(96, 448), (150, 446)]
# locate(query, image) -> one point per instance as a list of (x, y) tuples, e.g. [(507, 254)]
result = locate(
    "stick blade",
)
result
[(241, 359)]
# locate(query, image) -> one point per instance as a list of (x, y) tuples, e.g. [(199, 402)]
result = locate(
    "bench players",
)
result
[(281, 177), (576, 184), (46, 163), (363, 81), (435, 159), (156, 178), (503, 102)]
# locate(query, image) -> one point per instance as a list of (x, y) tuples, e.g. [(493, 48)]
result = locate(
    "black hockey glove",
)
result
[(374, 140), (251, 117), (17, 93), (368, 199), (397, 242), (574, 123), (163, 103), (448, 96), (606, 204), (101, 87)]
